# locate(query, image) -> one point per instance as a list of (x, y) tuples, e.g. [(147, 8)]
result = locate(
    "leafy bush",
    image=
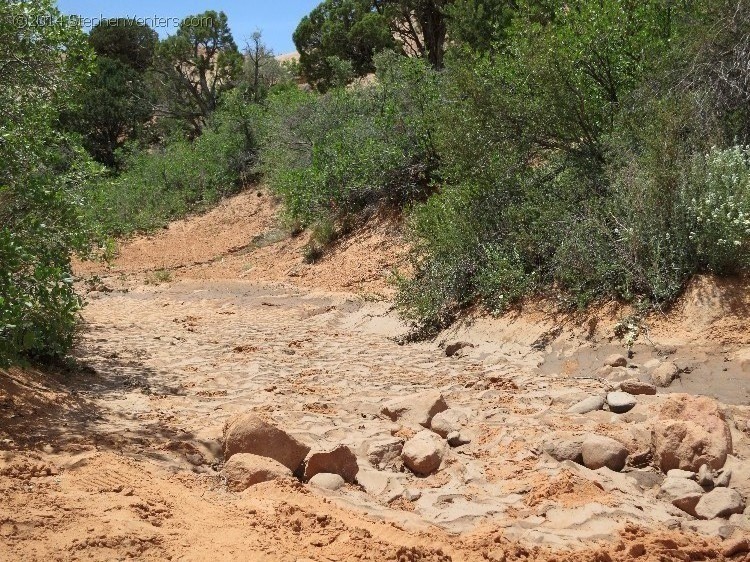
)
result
[(719, 210), (40, 171), (574, 162), (162, 184), (330, 156)]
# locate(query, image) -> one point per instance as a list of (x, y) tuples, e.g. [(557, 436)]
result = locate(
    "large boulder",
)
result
[(417, 409), (690, 431), (248, 433), (340, 460), (244, 470), (423, 453), (599, 451), (719, 502), (445, 423)]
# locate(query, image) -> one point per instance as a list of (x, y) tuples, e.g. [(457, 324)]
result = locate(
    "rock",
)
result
[(620, 402), (454, 348), (382, 453), (244, 470), (690, 431), (383, 485), (616, 360), (722, 481), (736, 546), (448, 421), (458, 439), (677, 473), (641, 459), (683, 493), (615, 374), (327, 481), (647, 479), (719, 502), (740, 520), (340, 460), (637, 387), (417, 408), (599, 451), (705, 476), (590, 404), (423, 453), (664, 374), (564, 449), (248, 433), (719, 528)]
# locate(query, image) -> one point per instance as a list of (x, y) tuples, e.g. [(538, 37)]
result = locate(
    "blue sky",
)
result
[(277, 19)]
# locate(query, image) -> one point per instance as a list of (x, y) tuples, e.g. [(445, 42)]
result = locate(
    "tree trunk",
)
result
[(432, 20)]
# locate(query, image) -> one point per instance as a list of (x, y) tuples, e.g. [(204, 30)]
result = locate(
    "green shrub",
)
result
[(42, 225), (330, 156), (718, 202), (40, 174), (571, 155), (163, 184)]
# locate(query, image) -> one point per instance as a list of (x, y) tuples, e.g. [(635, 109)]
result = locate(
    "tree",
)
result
[(421, 27), (262, 70), (480, 24), (196, 66), (115, 103), (41, 170), (354, 31), (126, 41), (116, 100), (351, 30)]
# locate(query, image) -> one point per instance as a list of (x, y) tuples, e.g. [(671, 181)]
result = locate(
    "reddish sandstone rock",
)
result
[(423, 453), (244, 470), (417, 409), (339, 460), (690, 431), (248, 433)]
